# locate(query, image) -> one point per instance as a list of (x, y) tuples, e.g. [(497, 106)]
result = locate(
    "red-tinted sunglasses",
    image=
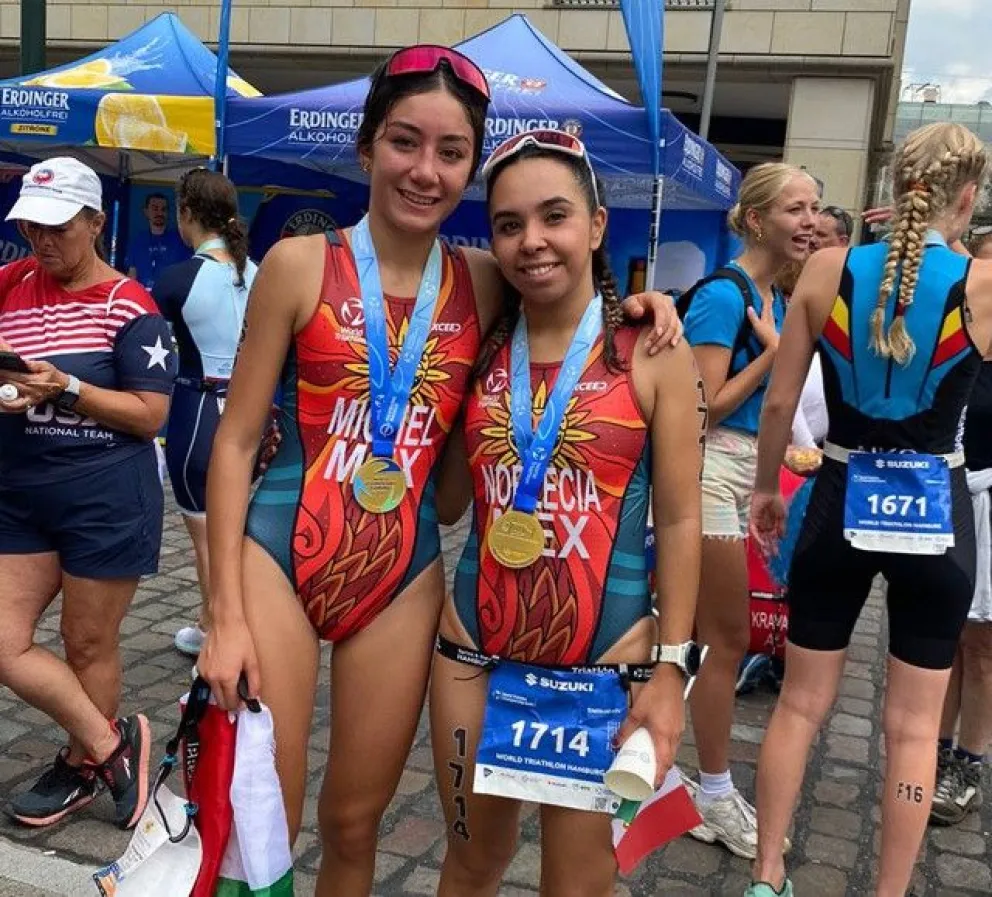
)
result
[(555, 141), (425, 58)]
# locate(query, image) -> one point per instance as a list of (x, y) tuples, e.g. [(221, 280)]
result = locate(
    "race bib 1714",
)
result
[(547, 736)]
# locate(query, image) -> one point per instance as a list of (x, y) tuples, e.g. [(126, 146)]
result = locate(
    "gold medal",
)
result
[(516, 539), (379, 485)]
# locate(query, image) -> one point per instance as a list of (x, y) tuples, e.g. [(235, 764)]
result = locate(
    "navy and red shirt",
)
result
[(109, 335)]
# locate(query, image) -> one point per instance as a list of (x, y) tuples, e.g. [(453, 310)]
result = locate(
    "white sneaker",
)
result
[(190, 639), (731, 820)]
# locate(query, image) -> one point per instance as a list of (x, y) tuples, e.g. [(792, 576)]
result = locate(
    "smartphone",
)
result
[(11, 361)]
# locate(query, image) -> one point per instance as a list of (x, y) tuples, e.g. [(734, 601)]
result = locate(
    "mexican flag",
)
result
[(257, 861), (641, 828)]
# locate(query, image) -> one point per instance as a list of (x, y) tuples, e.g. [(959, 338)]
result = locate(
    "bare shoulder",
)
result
[(290, 276), (824, 269), (296, 253), (670, 360)]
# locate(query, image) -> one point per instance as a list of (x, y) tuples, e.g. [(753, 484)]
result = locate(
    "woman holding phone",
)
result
[(80, 497)]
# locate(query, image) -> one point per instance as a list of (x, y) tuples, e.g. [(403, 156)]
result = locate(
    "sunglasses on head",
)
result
[(426, 58), (553, 141), (982, 230), (841, 216)]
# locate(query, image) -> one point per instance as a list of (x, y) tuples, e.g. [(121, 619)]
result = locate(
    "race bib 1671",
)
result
[(898, 503)]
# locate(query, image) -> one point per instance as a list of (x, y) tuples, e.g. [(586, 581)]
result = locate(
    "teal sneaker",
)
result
[(763, 889)]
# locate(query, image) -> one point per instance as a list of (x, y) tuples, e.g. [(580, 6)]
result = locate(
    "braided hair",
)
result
[(930, 170), (212, 200), (603, 277)]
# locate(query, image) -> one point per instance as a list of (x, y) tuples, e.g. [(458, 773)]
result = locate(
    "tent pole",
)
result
[(123, 171), (709, 86), (220, 84), (654, 232)]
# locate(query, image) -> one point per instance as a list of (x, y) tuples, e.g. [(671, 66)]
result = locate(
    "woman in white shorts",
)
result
[(732, 324)]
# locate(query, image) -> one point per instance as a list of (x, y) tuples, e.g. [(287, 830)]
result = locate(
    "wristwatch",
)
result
[(687, 657), (70, 395)]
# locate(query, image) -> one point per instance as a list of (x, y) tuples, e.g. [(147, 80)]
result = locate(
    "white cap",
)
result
[(54, 191)]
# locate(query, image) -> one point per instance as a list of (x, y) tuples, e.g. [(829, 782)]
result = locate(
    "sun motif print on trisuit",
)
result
[(590, 583), (347, 563)]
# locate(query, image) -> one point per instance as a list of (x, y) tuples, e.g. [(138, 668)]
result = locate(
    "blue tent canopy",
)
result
[(534, 84), (151, 92)]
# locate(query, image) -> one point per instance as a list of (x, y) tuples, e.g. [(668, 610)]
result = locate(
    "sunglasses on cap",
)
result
[(553, 141), (423, 59)]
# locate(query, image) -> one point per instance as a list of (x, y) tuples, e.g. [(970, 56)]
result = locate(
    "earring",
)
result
[(364, 164), (761, 236)]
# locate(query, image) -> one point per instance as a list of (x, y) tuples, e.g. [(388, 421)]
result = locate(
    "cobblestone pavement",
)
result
[(836, 827)]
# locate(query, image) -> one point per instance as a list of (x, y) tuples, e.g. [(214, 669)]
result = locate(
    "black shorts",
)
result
[(105, 524), (829, 582), (193, 418)]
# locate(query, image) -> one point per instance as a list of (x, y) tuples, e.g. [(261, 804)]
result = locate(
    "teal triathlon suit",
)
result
[(875, 404)]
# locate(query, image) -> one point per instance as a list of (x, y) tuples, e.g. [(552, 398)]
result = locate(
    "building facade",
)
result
[(812, 81)]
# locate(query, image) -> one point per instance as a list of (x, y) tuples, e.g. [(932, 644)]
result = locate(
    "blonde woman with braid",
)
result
[(901, 328)]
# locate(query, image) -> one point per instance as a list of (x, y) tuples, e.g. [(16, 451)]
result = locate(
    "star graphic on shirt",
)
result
[(157, 354)]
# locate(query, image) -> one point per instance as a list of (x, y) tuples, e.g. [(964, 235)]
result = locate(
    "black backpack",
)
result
[(744, 339)]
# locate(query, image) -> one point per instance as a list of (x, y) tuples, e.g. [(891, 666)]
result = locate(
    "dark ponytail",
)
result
[(235, 235), (613, 316), (212, 200), (602, 275)]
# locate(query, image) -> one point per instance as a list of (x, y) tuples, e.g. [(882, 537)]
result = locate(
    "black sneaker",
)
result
[(61, 790), (959, 792), (125, 771)]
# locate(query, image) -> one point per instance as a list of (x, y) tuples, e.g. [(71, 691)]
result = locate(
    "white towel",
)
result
[(979, 484)]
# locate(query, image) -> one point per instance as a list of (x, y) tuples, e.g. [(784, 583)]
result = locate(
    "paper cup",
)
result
[(632, 774)]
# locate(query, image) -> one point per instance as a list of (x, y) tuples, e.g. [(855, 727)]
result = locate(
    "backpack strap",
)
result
[(743, 342)]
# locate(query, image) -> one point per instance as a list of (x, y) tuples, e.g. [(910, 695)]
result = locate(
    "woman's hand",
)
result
[(660, 708), (271, 440), (764, 326), (880, 215), (660, 308), (228, 652), (767, 523), (44, 383)]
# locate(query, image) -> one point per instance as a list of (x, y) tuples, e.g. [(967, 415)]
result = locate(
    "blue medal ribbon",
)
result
[(390, 392), (535, 447)]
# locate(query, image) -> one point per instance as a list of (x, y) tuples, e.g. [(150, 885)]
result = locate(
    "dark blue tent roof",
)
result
[(534, 84)]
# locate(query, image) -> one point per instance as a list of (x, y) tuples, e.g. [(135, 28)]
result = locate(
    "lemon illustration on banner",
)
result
[(241, 87), (97, 74), (137, 121)]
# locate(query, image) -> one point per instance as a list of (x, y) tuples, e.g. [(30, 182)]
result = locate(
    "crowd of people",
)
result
[(521, 383)]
